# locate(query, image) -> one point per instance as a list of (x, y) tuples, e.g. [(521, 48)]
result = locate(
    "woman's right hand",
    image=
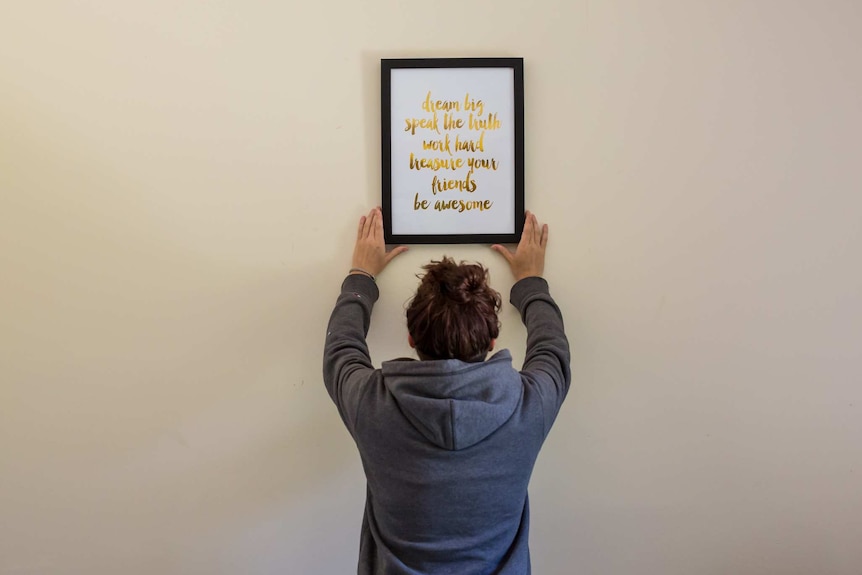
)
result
[(528, 260)]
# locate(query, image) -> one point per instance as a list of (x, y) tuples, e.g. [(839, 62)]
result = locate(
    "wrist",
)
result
[(361, 271), (526, 273)]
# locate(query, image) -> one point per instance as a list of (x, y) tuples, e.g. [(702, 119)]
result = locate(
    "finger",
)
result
[(537, 231), (503, 252), (544, 241), (527, 233), (369, 222), (395, 252), (378, 223), (361, 227)]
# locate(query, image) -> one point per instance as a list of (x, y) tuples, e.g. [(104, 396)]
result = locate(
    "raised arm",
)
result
[(346, 359), (547, 361)]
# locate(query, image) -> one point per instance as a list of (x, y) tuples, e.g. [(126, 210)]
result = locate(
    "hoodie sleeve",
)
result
[(547, 362), (346, 361)]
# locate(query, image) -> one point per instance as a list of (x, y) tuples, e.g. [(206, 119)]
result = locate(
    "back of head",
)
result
[(454, 312)]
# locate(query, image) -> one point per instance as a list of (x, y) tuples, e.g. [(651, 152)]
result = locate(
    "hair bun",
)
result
[(454, 311), (464, 283)]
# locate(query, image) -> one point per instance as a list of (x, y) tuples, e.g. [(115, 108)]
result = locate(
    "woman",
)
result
[(448, 442)]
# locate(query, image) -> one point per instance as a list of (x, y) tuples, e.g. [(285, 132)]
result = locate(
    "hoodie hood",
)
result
[(455, 404)]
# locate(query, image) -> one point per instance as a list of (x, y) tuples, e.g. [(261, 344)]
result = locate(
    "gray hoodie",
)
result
[(448, 447)]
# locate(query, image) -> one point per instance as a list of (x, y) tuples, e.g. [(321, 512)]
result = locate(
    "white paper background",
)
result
[(494, 86)]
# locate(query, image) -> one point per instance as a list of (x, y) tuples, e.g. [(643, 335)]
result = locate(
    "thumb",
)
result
[(503, 252), (395, 252)]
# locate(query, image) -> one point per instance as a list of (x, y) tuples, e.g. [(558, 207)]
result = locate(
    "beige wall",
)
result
[(179, 183)]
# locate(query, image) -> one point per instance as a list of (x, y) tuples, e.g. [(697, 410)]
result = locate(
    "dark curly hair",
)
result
[(454, 312)]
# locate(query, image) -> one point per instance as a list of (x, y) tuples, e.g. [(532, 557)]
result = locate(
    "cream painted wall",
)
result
[(179, 183)]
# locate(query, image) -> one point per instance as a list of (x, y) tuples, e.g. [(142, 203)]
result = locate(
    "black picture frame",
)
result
[(389, 195)]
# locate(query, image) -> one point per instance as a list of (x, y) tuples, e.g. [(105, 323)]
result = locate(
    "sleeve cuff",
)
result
[(527, 287), (361, 284)]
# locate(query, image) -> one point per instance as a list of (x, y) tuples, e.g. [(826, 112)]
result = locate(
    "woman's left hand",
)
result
[(369, 254)]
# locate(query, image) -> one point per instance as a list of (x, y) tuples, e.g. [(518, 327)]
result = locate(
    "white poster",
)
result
[(455, 150)]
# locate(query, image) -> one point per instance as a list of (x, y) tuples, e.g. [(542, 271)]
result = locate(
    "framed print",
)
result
[(453, 150)]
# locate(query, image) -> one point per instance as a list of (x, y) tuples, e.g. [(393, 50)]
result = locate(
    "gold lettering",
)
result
[(471, 105), (452, 123), (435, 164), (470, 145), (430, 105), (423, 123), (468, 184), (489, 123), (438, 145), (462, 206), (482, 163)]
